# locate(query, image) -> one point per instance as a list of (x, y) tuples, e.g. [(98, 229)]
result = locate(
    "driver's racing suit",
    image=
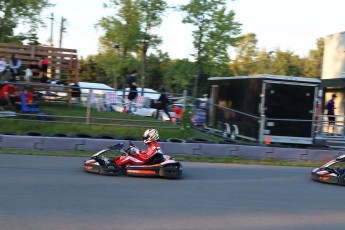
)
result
[(141, 157)]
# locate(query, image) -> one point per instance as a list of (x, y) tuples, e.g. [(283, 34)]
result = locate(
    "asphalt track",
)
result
[(54, 193)]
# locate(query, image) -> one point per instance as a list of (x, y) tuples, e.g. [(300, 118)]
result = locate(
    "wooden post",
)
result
[(213, 109)]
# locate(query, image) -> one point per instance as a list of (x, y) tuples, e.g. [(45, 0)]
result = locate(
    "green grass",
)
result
[(113, 123), (166, 130)]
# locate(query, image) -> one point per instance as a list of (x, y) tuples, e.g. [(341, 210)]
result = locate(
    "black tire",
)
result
[(252, 144), (82, 135), (129, 138), (199, 140), (170, 172), (228, 141), (32, 133), (105, 136), (8, 133), (176, 140), (60, 135)]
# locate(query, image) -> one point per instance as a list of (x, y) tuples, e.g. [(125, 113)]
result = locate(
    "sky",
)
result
[(293, 25)]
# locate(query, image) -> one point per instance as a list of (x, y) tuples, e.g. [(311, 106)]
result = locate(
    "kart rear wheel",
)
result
[(113, 171), (170, 172)]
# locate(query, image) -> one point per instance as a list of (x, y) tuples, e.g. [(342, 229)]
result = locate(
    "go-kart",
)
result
[(333, 172), (159, 165)]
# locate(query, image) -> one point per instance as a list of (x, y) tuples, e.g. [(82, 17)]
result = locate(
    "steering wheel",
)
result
[(124, 152), (332, 170)]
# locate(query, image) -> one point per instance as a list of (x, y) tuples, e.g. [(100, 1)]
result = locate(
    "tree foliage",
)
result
[(215, 30), (92, 71), (151, 12), (120, 40), (249, 60), (246, 51), (179, 75), (312, 65), (20, 12), (129, 33)]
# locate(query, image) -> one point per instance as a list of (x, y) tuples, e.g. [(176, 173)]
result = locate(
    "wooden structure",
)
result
[(63, 64)]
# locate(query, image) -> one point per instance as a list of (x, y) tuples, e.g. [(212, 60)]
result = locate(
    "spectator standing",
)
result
[(44, 63), (15, 65), (163, 103), (330, 112)]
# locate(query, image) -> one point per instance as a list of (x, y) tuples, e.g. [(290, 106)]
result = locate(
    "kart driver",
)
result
[(140, 157)]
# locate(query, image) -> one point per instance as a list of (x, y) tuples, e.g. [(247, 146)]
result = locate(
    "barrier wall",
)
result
[(12, 142)]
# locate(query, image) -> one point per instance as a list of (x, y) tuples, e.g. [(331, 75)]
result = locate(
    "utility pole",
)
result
[(62, 30), (51, 29)]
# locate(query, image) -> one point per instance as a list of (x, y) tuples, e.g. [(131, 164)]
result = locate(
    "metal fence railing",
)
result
[(208, 117)]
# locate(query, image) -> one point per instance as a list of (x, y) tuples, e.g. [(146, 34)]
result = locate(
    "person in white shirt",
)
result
[(4, 74), (3, 64)]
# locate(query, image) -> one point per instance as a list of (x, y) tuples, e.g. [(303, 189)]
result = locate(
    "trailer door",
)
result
[(289, 108)]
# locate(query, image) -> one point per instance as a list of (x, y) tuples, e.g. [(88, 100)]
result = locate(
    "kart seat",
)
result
[(155, 159)]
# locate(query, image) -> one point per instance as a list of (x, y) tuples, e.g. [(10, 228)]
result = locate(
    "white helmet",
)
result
[(150, 136)]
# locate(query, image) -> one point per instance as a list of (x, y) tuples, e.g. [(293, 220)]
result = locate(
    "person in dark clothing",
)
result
[(330, 111), (35, 69), (76, 92), (163, 103), (132, 83), (15, 65)]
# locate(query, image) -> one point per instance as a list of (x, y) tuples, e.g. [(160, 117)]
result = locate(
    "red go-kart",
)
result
[(159, 165)]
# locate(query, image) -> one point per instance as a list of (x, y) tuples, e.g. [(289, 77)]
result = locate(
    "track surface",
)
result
[(54, 193)]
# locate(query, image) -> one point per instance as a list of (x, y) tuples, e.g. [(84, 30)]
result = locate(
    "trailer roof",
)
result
[(270, 77)]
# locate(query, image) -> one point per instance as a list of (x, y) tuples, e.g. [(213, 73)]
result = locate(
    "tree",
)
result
[(244, 63), (131, 31), (262, 62), (286, 63), (20, 12), (151, 12), (91, 71), (215, 31), (179, 74), (122, 33), (312, 65), (155, 70)]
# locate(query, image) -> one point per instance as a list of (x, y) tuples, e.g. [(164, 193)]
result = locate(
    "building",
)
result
[(333, 71)]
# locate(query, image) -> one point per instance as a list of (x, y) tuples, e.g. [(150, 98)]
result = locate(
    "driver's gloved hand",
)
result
[(109, 162), (134, 149), (100, 161)]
